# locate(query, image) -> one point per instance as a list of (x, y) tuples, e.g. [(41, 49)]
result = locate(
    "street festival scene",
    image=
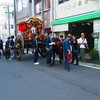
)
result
[(49, 50)]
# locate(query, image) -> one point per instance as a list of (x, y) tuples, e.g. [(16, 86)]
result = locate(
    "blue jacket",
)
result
[(48, 41), (66, 47)]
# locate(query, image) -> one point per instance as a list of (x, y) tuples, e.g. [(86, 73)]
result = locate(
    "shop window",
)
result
[(86, 1), (62, 1), (22, 4), (38, 7), (5, 26), (47, 4), (80, 3), (19, 5), (12, 27), (30, 1)]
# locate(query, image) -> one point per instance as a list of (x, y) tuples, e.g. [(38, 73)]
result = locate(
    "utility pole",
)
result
[(42, 13), (15, 17), (33, 11), (8, 20)]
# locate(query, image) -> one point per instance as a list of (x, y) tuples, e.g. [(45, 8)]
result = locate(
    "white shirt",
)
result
[(82, 42)]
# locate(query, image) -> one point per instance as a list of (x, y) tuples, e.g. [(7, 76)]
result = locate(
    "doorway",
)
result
[(83, 27)]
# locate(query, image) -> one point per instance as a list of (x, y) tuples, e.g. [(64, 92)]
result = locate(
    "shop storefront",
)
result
[(88, 23)]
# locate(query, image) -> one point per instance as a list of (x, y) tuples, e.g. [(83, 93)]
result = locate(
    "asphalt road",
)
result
[(21, 80)]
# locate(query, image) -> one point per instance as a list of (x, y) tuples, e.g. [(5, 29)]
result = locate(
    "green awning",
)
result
[(87, 16)]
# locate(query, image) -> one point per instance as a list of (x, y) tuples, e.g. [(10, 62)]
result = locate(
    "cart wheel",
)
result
[(43, 52), (18, 48)]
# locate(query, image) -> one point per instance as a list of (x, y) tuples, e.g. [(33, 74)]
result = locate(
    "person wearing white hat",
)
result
[(82, 41)]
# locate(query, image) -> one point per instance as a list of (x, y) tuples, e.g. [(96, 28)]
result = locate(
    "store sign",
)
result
[(96, 44), (60, 28), (96, 26)]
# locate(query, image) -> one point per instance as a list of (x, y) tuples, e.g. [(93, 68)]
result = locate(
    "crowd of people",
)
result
[(8, 51), (72, 47)]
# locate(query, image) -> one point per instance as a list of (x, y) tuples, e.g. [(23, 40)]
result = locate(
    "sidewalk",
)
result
[(91, 63)]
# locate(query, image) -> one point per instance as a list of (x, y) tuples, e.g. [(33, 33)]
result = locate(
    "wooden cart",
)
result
[(24, 40)]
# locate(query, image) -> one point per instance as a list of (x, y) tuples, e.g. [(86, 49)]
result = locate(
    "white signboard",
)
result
[(96, 26), (60, 28)]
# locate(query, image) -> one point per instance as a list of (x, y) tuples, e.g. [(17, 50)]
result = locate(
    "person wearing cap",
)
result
[(49, 48), (35, 49), (66, 50), (75, 50), (82, 41)]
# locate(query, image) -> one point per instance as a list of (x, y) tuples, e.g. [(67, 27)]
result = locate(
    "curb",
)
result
[(86, 64), (90, 65)]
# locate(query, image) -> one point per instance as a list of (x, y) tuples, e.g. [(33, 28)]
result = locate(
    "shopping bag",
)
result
[(68, 57)]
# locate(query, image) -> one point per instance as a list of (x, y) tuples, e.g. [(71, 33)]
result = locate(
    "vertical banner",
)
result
[(96, 44), (96, 29)]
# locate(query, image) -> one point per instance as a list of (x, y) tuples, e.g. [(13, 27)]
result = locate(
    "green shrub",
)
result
[(94, 54)]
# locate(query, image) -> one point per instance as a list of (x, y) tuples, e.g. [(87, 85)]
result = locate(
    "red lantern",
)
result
[(22, 27)]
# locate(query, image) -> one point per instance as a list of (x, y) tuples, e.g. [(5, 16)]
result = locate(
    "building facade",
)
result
[(23, 10), (76, 16), (6, 22), (38, 13), (65, 16), (29, 8)]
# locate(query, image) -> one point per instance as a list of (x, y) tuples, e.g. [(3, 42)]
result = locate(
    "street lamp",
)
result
[(8, 20), (15, 17)]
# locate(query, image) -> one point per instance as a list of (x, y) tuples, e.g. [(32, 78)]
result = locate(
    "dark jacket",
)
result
[(35, 44), (1, 44), (75, 46), (7, 46), (12, 44)]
